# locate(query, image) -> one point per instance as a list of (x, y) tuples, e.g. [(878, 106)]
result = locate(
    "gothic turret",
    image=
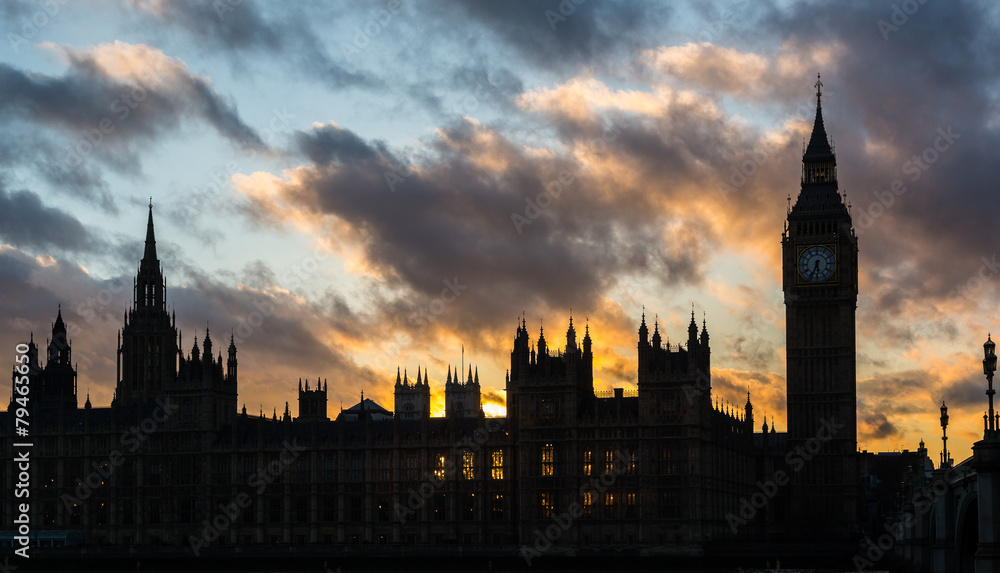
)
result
[(463, 400), (59, 377), (692, 332), (412, 401), (313, 402), (150, 287), (543, 349), (570, 337), (148, 349), (231, 363)]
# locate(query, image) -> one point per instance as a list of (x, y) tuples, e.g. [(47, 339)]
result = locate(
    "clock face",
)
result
[(816, 264)]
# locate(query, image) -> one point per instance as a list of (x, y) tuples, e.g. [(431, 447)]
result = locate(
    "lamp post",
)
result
[(945, 460), (989, 367)]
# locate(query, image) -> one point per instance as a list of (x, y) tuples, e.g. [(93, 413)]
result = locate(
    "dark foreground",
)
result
[(382, 558)]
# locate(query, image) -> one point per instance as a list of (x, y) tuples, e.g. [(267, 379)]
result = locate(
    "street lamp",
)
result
[(989, 367), (945, 460)]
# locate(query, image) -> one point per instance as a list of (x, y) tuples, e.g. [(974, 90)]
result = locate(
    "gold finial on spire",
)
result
[(819, 88)]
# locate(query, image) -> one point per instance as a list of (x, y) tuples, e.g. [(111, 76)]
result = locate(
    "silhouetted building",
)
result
[(820, 276), (664, 468)]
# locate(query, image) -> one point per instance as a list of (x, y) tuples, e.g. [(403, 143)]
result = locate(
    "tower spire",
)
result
[(819, 143), (819, 193), (149, 255)]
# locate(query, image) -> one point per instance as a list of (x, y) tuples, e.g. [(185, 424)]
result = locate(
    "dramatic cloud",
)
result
[(240, 28), (558, 35), (447, 167), (24, 221), (112, 102)]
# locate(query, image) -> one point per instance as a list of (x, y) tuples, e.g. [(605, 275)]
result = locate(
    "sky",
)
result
[(349, 188)]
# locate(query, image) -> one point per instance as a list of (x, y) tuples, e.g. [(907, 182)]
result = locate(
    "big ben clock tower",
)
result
[(820, 276)]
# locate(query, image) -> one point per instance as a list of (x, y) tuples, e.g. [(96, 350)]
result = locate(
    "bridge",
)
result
[(949, 520)]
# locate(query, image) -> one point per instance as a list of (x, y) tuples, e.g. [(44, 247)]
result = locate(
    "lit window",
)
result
[(468, 465), (586, 462), (548, 460), (588, 504), (439, 470), (497, 472), (498, 506), (609, 504), (545, 505), (609, 462), (631, 462)]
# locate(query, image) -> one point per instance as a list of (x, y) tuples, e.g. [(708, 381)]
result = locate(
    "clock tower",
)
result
[(820, 281)]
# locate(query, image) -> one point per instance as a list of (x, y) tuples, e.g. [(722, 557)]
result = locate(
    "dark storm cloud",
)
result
[(26, 222), (243, 29), (897, 87), (99, 120), (30, 147), (879, 427), (84, 96), (331, 143), (446, 232), (498, 83), (557, 34)]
